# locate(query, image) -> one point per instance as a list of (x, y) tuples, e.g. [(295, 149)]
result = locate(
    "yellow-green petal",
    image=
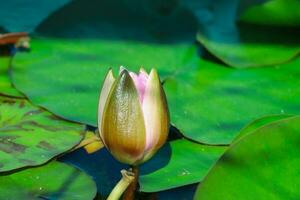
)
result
[(107, 85), (123, 126)]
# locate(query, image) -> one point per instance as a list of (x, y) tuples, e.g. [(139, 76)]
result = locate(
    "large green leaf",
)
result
[(31, 136), (259, 123), (65, 76), (6, 87), (261, 165), (274, 12), (52, 181), (189, 163), (211, 103), (251, 45)]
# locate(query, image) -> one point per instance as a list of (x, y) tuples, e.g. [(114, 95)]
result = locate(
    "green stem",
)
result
[(122, 185)]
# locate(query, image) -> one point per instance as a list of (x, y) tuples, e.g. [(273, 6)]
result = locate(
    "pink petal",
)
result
[(140, 81), (155, 112)]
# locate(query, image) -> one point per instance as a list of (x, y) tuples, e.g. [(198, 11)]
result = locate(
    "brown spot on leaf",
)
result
[(9, 146), (32, 112), (8, 137), (26, 161), (21, 104), (9, 101), (45, 145)]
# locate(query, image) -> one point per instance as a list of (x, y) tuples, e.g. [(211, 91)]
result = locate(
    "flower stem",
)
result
[(130, 192), (127, 178)]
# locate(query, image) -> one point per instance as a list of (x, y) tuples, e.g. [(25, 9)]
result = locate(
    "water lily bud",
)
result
[(133, 116)]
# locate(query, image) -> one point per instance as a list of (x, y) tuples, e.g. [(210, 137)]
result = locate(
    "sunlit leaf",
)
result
[(31, 136), (65, 76), (258, 123), (211, 103), (263, 164)]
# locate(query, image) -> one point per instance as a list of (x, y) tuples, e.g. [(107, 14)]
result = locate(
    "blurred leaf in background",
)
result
[(20, 15), (252, 45), (120, 20), (244, 45), (274, 12)]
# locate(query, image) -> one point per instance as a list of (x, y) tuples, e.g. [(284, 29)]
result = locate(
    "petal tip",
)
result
[(121, 69), (143, 71), (110, 73), (153, 76)]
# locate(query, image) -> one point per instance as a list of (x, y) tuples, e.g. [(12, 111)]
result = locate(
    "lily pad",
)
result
[(65, 76), (251, 45), (31, 136), (6, 87), (211, 103), (274, 12), (263, 164), (189, 163), (52, 181), (259, 123)]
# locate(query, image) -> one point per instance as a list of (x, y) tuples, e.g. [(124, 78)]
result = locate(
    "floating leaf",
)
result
[(259, 123), (31, 136), (211, 103), (274, 12), (52, 181), (65, 76), (6, 87), (189, 163), (252, 45), (263, 163)]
